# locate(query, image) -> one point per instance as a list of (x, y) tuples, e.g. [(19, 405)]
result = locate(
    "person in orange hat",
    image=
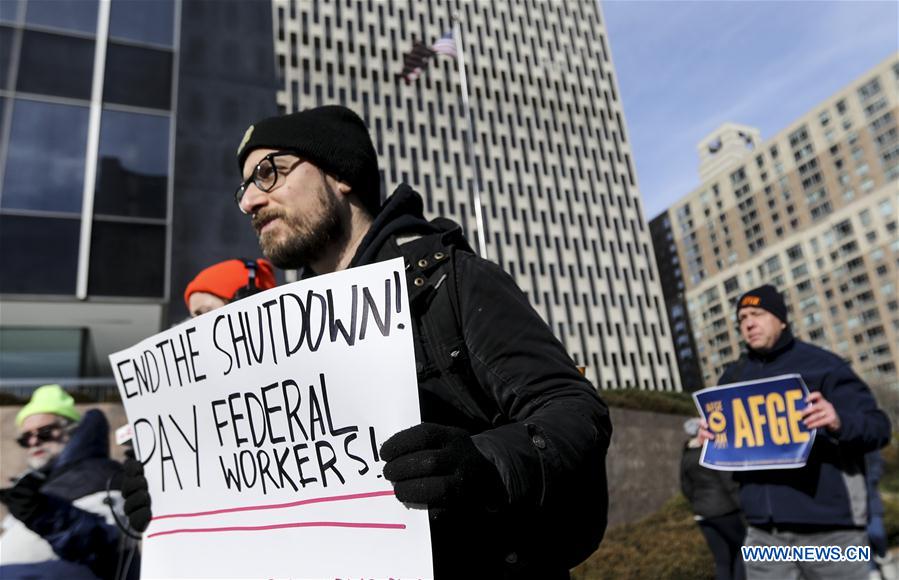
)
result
[(227, 281)]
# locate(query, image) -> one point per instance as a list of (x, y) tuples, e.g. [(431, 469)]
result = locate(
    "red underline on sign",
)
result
[(366, 525), (275, 506)]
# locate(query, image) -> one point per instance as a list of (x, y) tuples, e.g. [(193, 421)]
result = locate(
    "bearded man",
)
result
[(510, 457)]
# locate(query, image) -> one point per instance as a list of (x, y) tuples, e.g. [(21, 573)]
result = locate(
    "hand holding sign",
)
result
[(440, 466), (705, 434), (761, 424), (820, 413), (257, 426), (136, 492)]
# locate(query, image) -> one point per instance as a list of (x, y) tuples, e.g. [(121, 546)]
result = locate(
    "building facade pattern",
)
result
[(557, 183)]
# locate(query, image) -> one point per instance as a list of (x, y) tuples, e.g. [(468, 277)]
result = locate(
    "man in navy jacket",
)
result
[(825, 502), (63, 511)]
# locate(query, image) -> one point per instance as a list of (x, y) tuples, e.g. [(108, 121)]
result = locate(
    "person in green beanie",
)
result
[(45, 424), (64, 511)]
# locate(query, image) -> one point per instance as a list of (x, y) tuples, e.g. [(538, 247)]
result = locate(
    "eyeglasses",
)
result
[(265, 174), (47, 433)]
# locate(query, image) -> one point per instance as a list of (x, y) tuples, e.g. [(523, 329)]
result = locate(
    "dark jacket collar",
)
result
[(89, 440), (402, 213), (783, 344)]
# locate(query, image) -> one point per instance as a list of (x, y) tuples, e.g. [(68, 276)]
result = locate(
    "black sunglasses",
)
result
[(43, 434)]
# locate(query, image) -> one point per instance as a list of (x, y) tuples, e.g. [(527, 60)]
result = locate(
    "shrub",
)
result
[(891, 517), (666, 544), (889, 482), (657, 401)]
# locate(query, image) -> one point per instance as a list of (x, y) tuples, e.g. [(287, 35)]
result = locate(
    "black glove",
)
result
[(441, 467), (23, 500), (137, 495)]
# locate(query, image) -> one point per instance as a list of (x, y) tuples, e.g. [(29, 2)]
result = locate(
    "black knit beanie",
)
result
[(765, 297), (333, 138)]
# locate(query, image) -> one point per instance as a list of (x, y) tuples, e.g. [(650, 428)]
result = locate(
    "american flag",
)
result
[(446, 45), (415, 61)]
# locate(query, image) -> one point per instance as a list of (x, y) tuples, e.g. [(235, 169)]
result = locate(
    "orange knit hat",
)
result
[(226, 278)]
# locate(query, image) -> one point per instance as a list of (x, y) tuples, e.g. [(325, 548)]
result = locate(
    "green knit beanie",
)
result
[(49, 399)]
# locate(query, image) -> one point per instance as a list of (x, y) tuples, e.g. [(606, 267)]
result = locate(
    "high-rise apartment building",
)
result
[(674, 292), (119, 120), (813, 210), (550, 156)]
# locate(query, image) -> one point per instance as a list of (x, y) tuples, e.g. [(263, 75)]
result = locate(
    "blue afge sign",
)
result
[(757, 424)]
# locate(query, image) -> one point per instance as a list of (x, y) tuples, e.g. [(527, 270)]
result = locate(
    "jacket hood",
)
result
[(89, 440), (402, 213)]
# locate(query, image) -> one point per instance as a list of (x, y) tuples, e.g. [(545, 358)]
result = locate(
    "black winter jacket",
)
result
[(829, 492), (488, 363), (82, 486), (711, 493)]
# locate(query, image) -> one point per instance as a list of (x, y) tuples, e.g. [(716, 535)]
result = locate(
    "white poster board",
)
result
[(259, 426)]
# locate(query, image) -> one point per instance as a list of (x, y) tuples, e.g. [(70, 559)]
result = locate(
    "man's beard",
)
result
[(309, 237), (52, 451)]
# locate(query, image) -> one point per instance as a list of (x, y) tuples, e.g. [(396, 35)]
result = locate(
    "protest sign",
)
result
[(757, 424), (259, 426)]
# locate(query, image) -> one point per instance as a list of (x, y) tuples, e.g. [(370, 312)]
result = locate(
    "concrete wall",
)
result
[(642, 465)]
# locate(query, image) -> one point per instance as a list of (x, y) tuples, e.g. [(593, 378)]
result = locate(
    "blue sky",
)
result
[(684, 68)]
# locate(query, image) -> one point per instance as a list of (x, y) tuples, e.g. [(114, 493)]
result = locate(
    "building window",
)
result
[(116, 248), (52, 64), (875, 107), (28, 241), (45, 159), (798, 136), (43, 352), (132, 165), (869, 89), (6, 36), (137, 76), (794, 253), (80, 16), (800, 271), (146, 21)]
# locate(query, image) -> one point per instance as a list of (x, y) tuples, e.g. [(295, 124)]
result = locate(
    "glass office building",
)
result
[(95, 240), (77, 74)]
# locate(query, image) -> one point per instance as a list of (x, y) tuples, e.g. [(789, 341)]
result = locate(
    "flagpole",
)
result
[(457, 34)]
